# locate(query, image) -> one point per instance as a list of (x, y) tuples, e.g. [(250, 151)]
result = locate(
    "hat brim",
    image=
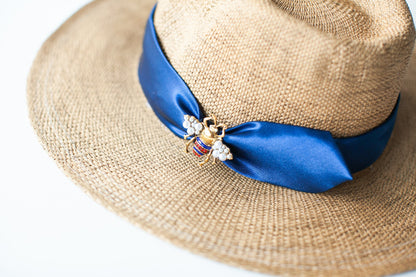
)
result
[(87, 107)]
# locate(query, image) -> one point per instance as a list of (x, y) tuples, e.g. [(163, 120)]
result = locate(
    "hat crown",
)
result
[(334, 66)]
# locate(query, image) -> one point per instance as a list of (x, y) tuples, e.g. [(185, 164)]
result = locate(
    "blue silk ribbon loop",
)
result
[(167, 94), (295, 157)]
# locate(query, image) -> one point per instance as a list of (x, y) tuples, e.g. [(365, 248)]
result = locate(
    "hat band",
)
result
[(295, 157)]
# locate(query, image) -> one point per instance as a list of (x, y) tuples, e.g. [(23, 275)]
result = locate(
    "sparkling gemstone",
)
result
[(222, 157), (230, 156), (215, 153), (190, 131), (186, 117), (217, 145), (226, 150), (197, 132), (186, 124), (192, 119), (198, 126)]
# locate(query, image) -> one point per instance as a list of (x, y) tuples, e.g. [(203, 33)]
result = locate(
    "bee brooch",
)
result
[(206, 139)]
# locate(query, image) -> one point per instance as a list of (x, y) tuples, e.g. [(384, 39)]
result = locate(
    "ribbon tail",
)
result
[(290, 156)]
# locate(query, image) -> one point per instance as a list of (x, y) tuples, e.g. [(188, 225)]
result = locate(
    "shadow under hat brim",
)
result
[(87, 107)]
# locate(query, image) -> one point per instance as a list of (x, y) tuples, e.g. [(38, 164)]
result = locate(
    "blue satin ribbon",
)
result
[(295, 157)]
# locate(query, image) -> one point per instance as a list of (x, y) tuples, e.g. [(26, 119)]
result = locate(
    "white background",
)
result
[(48, 226)]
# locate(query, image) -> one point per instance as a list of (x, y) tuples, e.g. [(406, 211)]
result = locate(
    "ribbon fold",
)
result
[(295, 157)]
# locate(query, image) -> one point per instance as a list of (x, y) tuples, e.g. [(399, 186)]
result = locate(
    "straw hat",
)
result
[(329, 66)]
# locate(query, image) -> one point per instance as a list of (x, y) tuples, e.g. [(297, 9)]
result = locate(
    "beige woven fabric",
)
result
[(328, 65), (87, 108)]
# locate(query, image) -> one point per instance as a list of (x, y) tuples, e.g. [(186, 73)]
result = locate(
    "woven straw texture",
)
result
[(87, 108), (328, 65)]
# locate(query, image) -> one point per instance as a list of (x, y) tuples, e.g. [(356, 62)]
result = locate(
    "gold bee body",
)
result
[(206, 139)]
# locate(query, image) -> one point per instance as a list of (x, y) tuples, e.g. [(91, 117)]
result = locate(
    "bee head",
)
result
[(213, 129)]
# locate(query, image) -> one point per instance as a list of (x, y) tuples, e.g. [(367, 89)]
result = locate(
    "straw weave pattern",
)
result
[(87, 108)]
